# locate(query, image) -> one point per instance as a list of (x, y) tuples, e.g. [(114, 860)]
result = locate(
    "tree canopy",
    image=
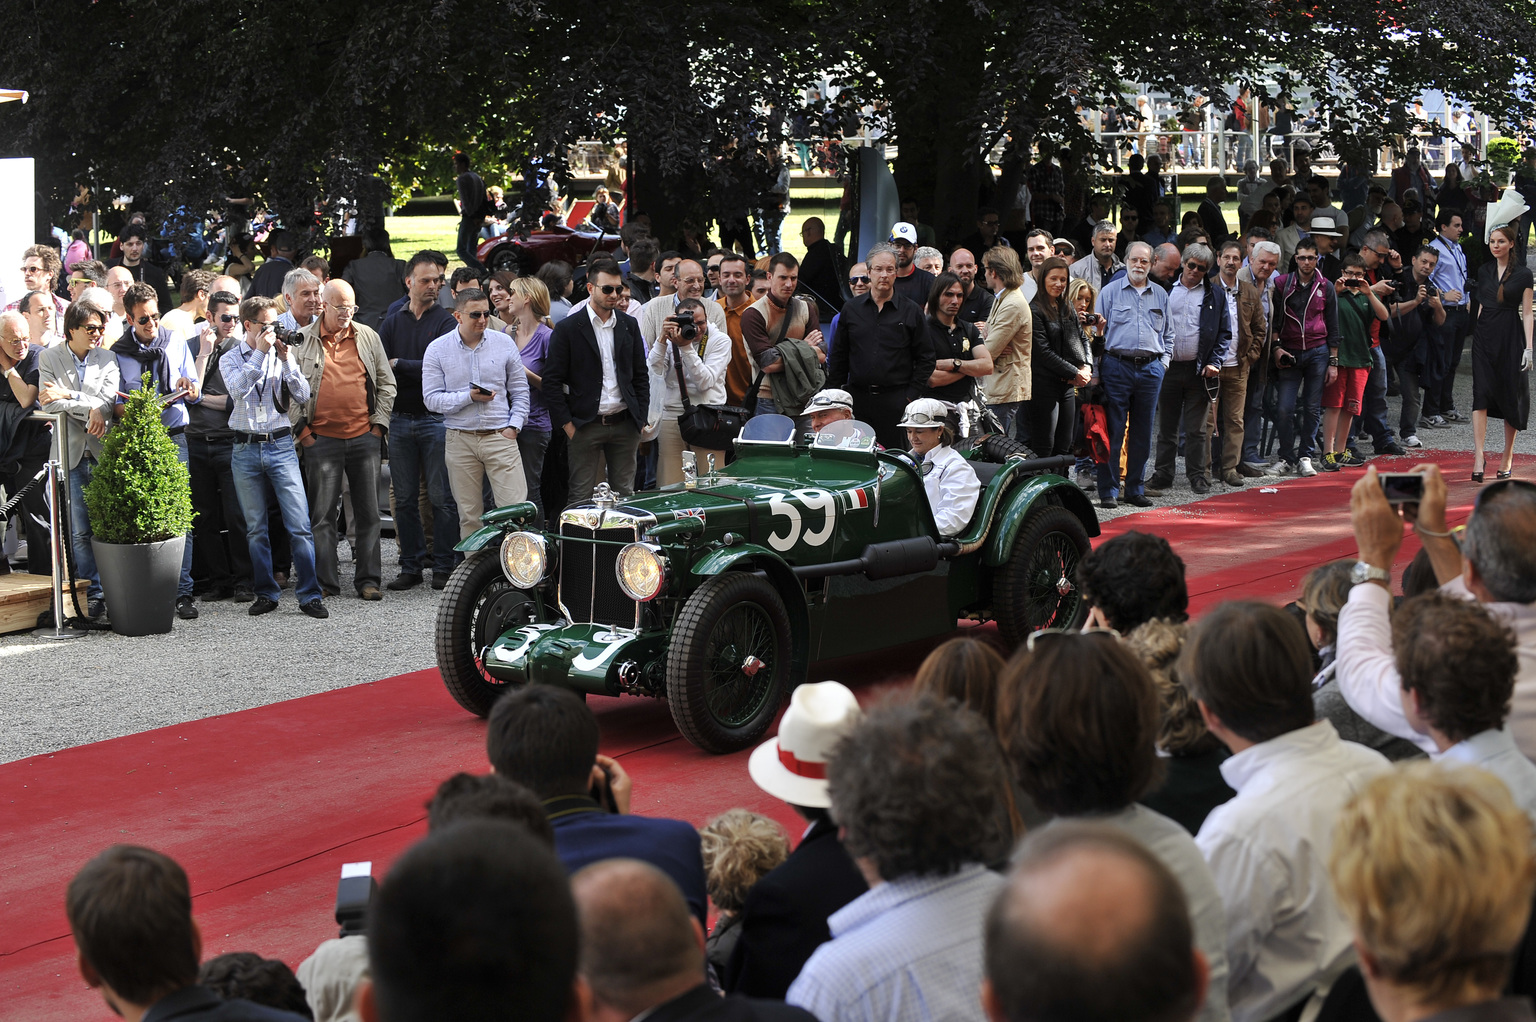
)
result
[(183, 102)]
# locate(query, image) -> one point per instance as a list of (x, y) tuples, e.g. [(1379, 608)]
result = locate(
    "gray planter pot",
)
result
[(139, 581)]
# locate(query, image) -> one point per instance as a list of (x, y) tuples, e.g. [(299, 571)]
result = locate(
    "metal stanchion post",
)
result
[(58, 524)]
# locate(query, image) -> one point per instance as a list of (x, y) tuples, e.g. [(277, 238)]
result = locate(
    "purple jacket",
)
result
[(1319, 323)]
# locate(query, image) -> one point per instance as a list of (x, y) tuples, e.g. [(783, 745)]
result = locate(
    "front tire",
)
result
[(729, 664), (1037, 588), (478, 605)]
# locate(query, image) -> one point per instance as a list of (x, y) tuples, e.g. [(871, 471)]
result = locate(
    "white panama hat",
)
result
[(793, 766)]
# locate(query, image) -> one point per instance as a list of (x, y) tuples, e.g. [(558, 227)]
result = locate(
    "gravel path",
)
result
[(59, 694)]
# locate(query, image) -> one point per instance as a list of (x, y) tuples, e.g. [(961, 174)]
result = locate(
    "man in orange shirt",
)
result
[(341, 430), (735, 300)]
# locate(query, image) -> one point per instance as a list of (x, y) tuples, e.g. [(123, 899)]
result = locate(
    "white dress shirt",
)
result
[(1495, 752), (1268, 848), (1184, 313), (611, 400), (705, 375), (653, 316), (953, 489), (1368, 675)]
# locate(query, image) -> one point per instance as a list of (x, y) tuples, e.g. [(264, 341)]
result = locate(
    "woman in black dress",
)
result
[(1501, 349)]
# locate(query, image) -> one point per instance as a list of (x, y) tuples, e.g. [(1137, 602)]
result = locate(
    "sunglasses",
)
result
[(858, 280), (225, 317), (609, 289), (146, 320), (81, 280), (93, 329), (477, 315), (1198, 267), (1042, 633)]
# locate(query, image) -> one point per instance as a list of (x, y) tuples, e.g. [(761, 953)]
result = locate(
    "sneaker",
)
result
[(1352, 459), (315, 608), (1087, 481), (1454, 416), (1438, 421), (1412, 441), (1392, 449), (1304, 467), (186, 608), (262, 605), (96, 610), (1282, 468), (1330, 462)]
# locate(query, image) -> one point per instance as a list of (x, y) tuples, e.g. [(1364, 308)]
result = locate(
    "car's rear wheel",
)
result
[(508, 257), (478, 606), (1037, 588), (729, 663)]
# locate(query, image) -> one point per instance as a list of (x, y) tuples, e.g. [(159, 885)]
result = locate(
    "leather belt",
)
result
[(1135, 360), (176, 430), (262, 438), (476, 432), (883, 388), (613, 419)]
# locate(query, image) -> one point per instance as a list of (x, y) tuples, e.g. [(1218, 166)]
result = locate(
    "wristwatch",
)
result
[(1363, 572), (956, 362)]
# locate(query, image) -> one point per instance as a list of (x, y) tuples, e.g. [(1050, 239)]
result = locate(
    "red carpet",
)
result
[(262, 807)]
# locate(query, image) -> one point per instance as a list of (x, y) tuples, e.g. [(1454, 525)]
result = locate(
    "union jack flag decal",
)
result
[(690, 512)]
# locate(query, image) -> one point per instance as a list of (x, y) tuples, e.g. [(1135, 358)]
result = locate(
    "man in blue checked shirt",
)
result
[(147, 347), (263, 379), (1138, 344), (474, 378)]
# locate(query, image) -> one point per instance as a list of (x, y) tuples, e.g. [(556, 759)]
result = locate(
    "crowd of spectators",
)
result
[(1135, 347), (1146, 818)]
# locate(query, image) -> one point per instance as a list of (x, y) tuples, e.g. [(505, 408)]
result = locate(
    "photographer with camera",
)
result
[(263, 379), (1349, 364), (546, 739), (692, 352), (1418, 316)]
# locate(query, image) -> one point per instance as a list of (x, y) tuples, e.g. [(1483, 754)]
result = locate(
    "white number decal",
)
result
[(823, 501), (814, 500), (777, 505)]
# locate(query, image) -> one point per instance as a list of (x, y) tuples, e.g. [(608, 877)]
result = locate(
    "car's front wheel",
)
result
[(729, 664), (1037, 588), (478, 605)]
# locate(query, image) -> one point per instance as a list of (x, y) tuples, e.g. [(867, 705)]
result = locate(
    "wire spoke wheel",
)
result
[(478, 606), (1037, 588), (729, 663)]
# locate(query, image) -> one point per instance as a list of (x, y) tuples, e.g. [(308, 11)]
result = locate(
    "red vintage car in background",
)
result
[(525, 253)]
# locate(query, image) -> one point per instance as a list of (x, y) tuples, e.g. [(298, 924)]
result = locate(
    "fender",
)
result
[(754, 558), (495, 523), (1011, 513)]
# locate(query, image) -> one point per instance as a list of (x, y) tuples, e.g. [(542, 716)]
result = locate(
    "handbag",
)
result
[(711, 427)]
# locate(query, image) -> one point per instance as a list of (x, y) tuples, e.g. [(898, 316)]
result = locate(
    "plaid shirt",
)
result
[(909, 950), (253, 378)]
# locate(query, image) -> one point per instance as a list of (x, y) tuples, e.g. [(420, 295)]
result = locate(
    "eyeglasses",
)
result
[(484, 314), (32, 271), (1038, 634), (1305, 258), (147, 319), (858, 280), (225, 317), (1197, 267), (991, 223), (609, 289), (345, 310)]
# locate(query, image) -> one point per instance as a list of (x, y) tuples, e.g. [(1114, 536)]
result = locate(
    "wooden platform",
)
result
[(23, 597)]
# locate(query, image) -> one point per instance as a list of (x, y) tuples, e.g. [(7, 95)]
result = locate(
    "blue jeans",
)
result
[(1130, 397), (1305, 379), (277, 463), (184, 587), (469, 241), (80, 526), (416, 444)]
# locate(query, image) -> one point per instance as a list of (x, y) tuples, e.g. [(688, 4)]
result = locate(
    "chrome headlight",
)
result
[(642, 571), (524, 559)]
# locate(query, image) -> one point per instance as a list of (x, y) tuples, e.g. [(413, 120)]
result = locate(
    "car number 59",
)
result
[(815, 502)]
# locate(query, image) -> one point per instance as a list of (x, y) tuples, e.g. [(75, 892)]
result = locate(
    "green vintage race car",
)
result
[(718, 594)]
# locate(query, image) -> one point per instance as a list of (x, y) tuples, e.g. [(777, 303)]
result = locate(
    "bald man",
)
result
[(119, 281), (978, 300), (1093, 928), (642, 952), (820, 278), (340, 431), (1167, 262)]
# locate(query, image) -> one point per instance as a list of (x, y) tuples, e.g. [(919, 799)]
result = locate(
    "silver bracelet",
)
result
[(1417, 527)]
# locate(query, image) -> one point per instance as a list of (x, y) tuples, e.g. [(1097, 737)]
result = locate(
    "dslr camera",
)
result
[(687, 329), (291, 338)]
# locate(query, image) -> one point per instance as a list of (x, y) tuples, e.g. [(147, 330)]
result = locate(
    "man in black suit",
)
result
[(784, 919), (597, 386), (642, 955), (819, 273)]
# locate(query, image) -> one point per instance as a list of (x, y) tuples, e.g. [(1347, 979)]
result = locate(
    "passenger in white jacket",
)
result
[(951, 483), (704, 358)]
